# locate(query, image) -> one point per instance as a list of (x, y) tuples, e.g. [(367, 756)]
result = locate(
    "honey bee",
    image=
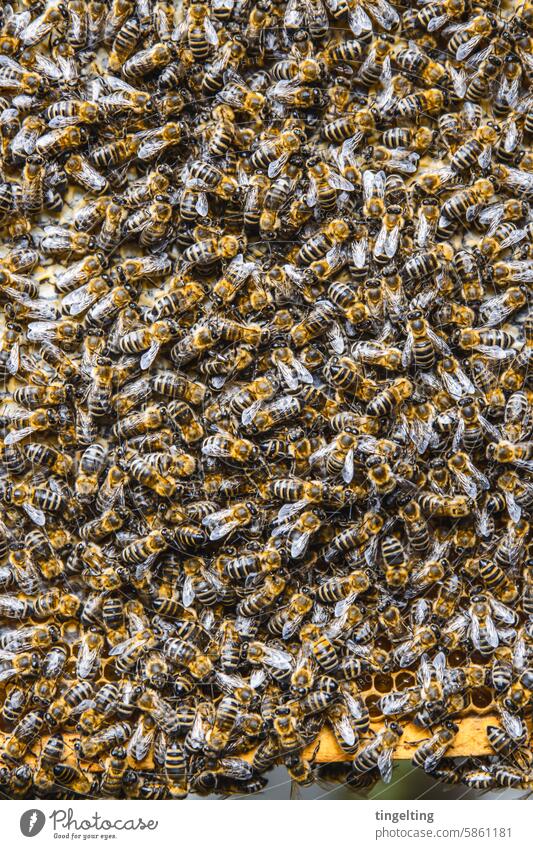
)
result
[(223, 522), (147, 61), (379, 752)]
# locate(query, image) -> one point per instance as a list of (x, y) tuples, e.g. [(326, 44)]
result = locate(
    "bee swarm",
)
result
[(266, 449)]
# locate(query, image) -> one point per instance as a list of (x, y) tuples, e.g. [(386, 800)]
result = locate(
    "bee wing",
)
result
[(62, 120), (311, 196), (464, 50), (379, 244), (358, 21), (513, 239), (149, 356), (438, 341), (188, 594), (511, 93), (278, 658), (7, 674), (223, 530), (343, 605), (123, 646), (357, 649), (439, 664), (77, 301), (290, 627), (489, 428), (436, 23), (451, 385), (359, 249), (229, 682), (466, 483), (404, 654), (355, 706), (36, 31), (289, 510), (479, 476), (370, 350), (303, 373), (494, 352), (392, 241), (422, 231), (407, 351), (346, 155), (210, 32), (16, 435), (458, 80), (320, 453), (277, 166), (520, 654), (215, 518), (34, 513), (513, 724), (368, 184), (475, 633), (299, 543), (287, 375), (39, 331), (284, 90), (151, 147), (257, 678), (511, 137), (485, 157), (519, 180), (248, 415), (475, 59), (394, 703), (348, 467), (9, 64), (385, 764), (344, 729), (425, 671), (371, 551), (514, 509), (294, 15), (502, 612), (433, 759), (85, 660), (494, 311), (384, 13), (336, 340), (336, 181), (141, 740), (236, 768), (13, 360)]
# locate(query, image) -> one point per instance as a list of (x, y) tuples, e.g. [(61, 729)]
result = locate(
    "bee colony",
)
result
[(266, 417)]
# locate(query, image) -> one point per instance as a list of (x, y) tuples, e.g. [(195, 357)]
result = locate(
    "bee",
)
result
[(379, 752), (147, 61), (320, 647), (458, 205), (124, 43), (430, 752), (209, 178), (15, 78), (465, 268), (114, 153), (22, 736), (14, 704), (519, 454), (330, 236), (385, 402), (19, 665)]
